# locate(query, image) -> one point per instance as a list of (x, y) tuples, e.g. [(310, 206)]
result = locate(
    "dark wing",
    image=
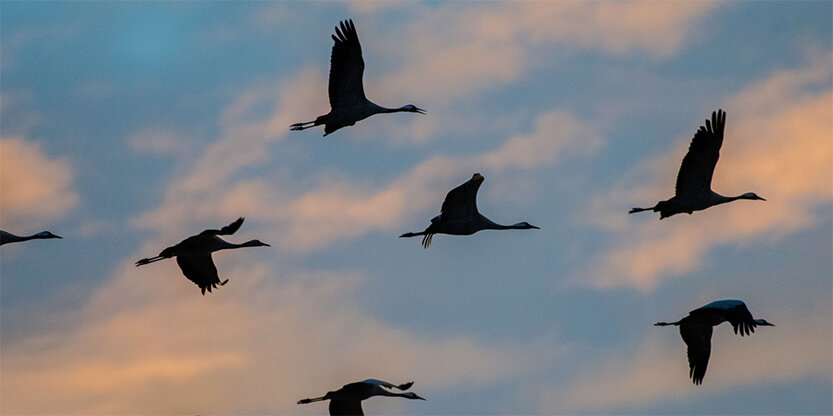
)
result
[(695, 176), (346, 67), (346, 407), (200, 269), (388, 385), (227, 230), (698, 338), (740, 318), (462, 200)]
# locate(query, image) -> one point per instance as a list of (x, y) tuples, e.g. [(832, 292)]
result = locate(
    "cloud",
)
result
[(657, 369), (267, 339), (158, 142), (778, 144), (36, 189), (336, 208), (452, 51)]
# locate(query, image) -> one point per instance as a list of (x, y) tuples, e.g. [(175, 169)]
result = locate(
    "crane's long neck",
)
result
[(669, 323), (250, 243)]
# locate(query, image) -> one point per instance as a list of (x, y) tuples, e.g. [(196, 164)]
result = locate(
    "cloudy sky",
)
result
[(128, 126)]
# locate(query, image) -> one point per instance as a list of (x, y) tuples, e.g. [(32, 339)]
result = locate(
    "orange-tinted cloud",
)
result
[(35, 188), (148, 343), (779, 144)]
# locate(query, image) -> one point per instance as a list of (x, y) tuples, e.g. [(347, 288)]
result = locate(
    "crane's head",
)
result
[(255, 243), (752, 195), (412, 396), (47, 234), (763, 322), (413, 109)]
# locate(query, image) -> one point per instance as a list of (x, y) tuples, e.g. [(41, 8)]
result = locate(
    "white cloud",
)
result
[(158, 142), (35, 188), (778, 144)]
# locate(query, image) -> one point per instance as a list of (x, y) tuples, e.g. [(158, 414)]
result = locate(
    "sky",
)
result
[(127, 126)]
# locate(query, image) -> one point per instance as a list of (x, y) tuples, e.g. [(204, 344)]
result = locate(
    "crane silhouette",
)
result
[(459, 215), (193, 255), (693, 190), (348, 399), (696, 330), (348, 103), (7, 237)]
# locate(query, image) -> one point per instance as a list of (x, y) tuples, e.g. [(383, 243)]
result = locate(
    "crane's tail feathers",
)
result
[(302, 126), (305, 401), (149, 260), (410, 235), (405, 386)]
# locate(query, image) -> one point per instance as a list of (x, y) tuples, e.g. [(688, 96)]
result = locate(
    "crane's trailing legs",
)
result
[(302, 126)]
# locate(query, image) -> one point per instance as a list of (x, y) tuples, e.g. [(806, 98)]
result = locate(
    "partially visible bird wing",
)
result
[(462, 200), (346, 408), (405, 386), (346, 67), (199, 269), (740, 318), (695, 176), (698, 338), (227, 230)]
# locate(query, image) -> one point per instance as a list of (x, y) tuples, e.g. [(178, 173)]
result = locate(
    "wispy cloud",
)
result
[(36, 188), (778, 144), (265, 340)]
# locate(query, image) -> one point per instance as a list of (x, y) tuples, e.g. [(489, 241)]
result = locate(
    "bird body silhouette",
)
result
[(347, 400), (348, 103), (193, 255), (696, 330), (693, 189), (7, 237), (459, 215)]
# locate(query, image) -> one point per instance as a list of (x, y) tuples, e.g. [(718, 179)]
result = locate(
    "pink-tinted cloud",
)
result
[(35, 188), (778, 144), (148, 343), (337, 208)]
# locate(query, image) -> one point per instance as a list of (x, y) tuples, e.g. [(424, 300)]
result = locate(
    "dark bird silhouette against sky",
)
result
[(696, 330), (459, 215), (193, 255), (348, 103), (7, 237), (348, 399), (693, 190)]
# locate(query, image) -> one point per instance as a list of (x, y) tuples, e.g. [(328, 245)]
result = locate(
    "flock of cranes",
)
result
[(459, 216)]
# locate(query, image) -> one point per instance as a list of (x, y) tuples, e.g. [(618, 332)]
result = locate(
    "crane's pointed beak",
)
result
[(419, 110)]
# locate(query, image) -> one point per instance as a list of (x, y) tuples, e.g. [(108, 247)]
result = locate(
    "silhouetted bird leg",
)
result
[(302, 126)]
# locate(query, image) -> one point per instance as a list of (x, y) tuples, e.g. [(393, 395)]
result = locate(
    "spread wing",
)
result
[(346, 407), (696, 171), (698, 338), (462, 200), (227, 230), (741, 319), (346, 67), (405, 386), (200, 269)]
